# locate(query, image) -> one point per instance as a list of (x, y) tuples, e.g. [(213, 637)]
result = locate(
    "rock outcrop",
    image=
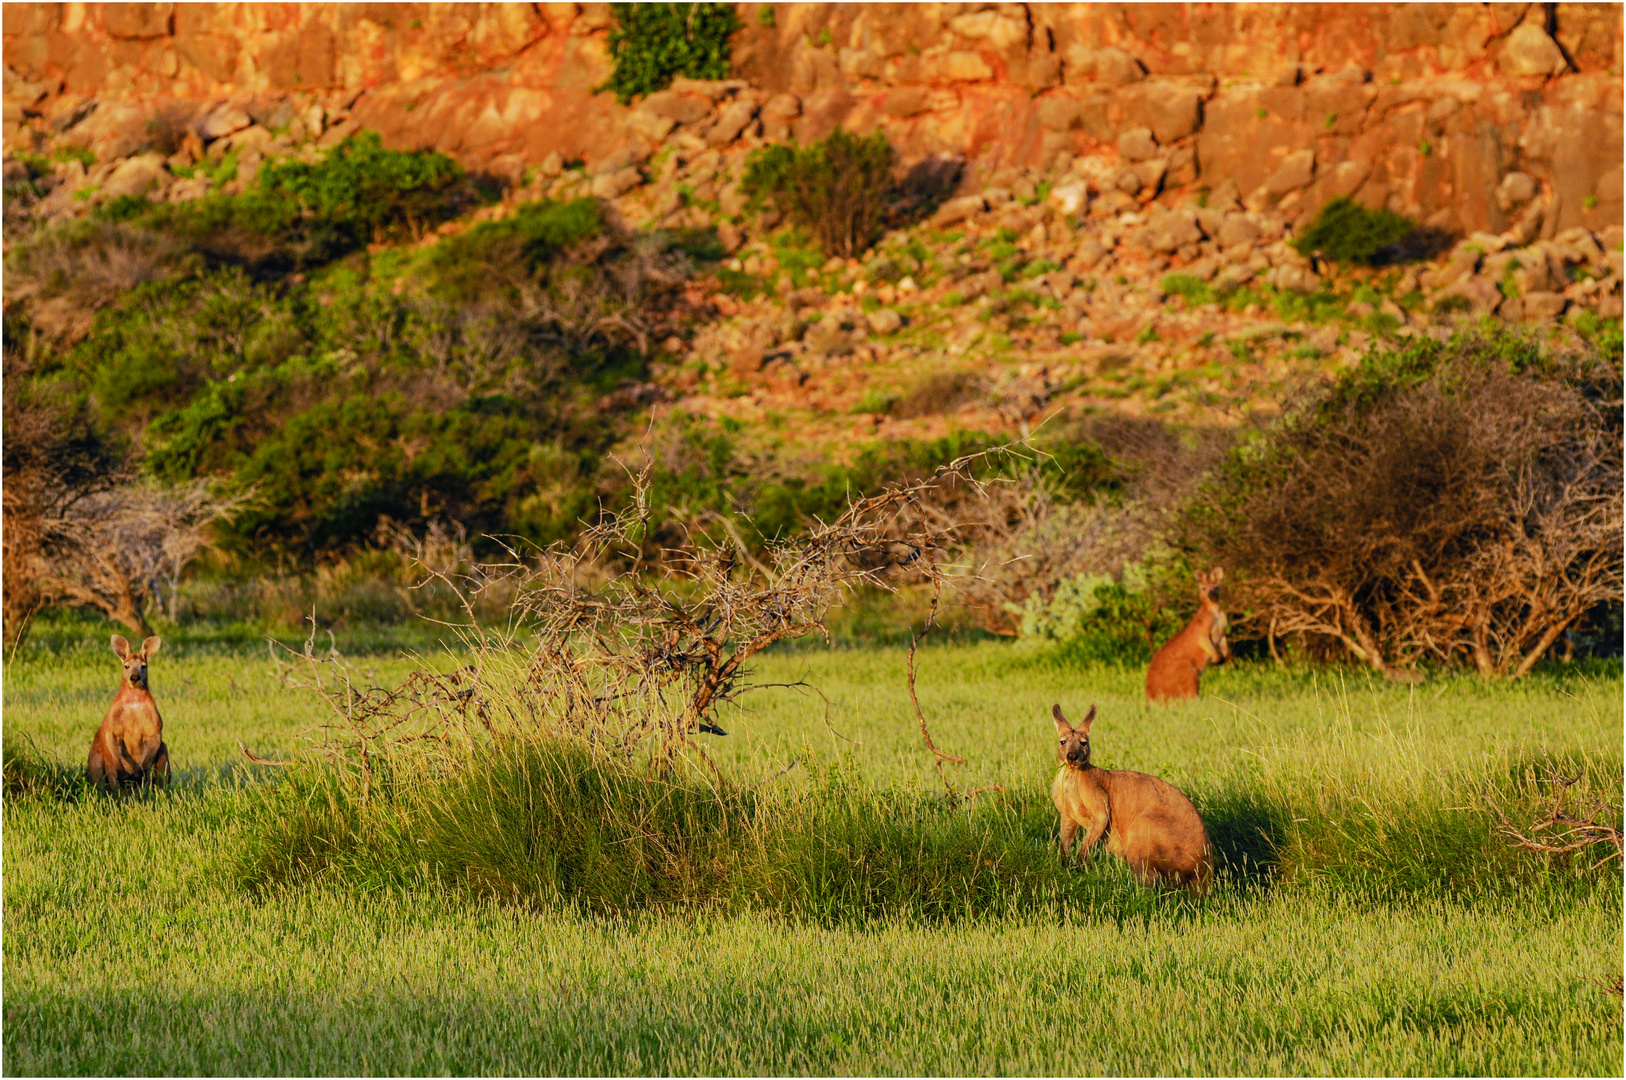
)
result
[(1423, 108)]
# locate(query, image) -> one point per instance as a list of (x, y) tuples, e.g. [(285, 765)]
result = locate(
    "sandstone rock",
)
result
[(728, 235), (788, 106), (223, 121), (1150, 174), (1294, 278), (731, 121), (1515, 190), (1070, 197), (1171, 110), (610, 185), (1481, 293), (1529, 51), (958, 209), (1535, 273), (906, 101), (884, 321), (1129, 182), (1344, 178), (827, 338), (1114, 67), (1237, 229), (136, 176), (977, 284), (1172, 230), (1296, 171), (1543, 306), (1089, 254), (679, 108), (138, 20), (650, 125), (1059, 113), (1137, 144)]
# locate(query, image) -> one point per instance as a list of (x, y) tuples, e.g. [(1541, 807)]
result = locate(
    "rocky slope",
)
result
[(1120, 238)]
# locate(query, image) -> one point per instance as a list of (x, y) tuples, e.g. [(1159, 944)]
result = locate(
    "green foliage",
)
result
[(1099, 619), (361, 187), (653, 43), (299, 215), (1194, 289), (837, 189), (1345, 231)]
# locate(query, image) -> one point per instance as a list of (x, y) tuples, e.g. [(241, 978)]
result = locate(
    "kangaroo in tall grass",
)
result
[(129, 746), (1177, 669), (1148, 822)]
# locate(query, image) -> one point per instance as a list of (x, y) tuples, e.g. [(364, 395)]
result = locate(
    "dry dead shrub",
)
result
[(1457, 503), (1024, 540), (123, 549), (627, 656), (63, 277)]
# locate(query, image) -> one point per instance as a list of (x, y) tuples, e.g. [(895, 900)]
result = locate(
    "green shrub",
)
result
[(1345, 231), (299, 215), (1193, 288), (653, 43), (837, 189), (1099, 619)]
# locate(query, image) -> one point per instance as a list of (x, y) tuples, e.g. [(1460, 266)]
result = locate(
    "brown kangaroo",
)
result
[(129, 746), (1147, 822), (1178, 666)]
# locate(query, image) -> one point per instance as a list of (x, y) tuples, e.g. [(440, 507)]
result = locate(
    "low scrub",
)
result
[(651, 44), (1446, 502), (843, 191), (555, 824), (1347, 232)]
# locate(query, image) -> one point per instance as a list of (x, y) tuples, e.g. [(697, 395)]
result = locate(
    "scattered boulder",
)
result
[(1170, 231), (884, 321), (1295, 172), (1515, 190), (1543, 306), (139, 175), (1137, 144), (1529, 51)]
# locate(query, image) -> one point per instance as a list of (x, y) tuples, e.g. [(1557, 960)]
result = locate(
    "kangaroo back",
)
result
[(129, 745), (1147, 822), (1176, 670)]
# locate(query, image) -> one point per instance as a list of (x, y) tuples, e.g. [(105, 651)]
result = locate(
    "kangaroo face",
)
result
[(1208, 587), (1073, 743), (135, 663)]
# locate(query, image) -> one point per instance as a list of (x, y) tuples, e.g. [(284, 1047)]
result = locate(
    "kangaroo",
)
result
[(129, 746), (1178, 666), (1147, 822)]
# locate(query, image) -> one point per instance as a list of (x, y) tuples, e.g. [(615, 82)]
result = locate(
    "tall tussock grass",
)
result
[(552, 823)]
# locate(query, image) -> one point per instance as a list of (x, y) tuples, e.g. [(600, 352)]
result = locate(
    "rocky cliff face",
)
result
[(1419, 107)]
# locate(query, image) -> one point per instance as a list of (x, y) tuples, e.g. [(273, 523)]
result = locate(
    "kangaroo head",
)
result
[(135, 663), (1073, 743), (1208, 586)]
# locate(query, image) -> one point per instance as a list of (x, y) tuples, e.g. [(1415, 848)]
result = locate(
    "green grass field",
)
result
[(131, 944)]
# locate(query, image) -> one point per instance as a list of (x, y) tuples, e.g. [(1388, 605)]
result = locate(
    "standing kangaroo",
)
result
[(129, 746), (1178, 666), (1147, 822)]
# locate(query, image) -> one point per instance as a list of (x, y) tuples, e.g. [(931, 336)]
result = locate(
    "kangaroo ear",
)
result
[(1217, 574), (1089, 718), (1062, 726), (149, 648), (121, 648)]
